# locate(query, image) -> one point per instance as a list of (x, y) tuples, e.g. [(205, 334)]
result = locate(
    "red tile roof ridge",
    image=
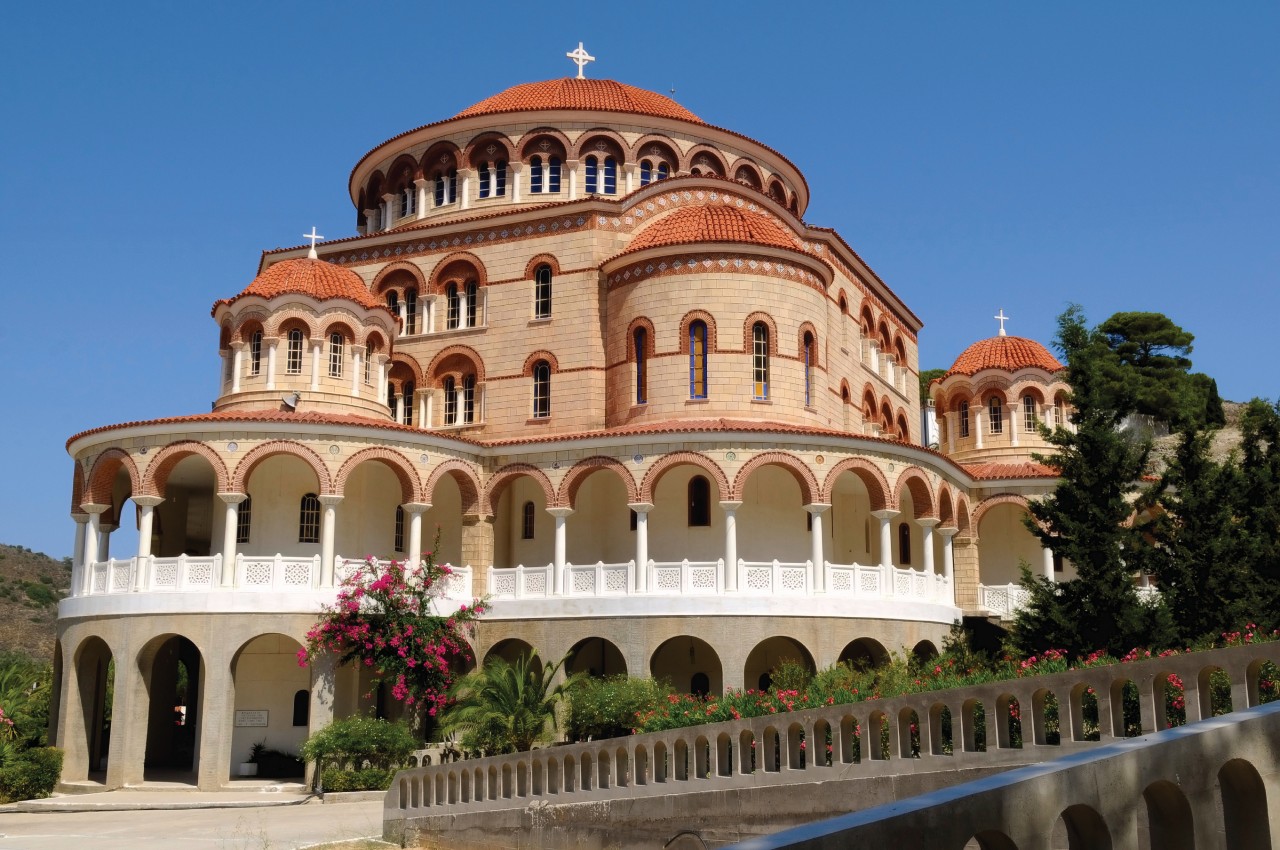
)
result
[(588, 94), (318, 279), (995, 470), (1007, 353)]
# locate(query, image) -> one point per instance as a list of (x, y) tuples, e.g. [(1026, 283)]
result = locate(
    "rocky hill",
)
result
[(31, 583), (1226, 440)]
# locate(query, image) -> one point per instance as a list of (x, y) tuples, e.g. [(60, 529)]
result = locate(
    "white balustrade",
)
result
[(769, 578), (1003, 600)]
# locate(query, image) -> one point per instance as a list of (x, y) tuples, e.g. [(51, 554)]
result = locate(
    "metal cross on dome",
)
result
[(580, 58), (999, 316), (314, 237)]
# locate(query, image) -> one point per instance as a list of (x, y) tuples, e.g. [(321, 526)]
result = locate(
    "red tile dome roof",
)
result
[(715, 224), (1007, 353), (573, 93), (316, 278)]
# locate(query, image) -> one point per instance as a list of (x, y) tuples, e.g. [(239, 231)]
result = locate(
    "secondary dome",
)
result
[(689, 225), (573, 93), (1008, 353), (316, 278)]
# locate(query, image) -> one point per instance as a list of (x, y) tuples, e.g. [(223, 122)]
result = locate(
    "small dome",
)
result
[(573, 93), (1007, 353), (689, 225), (316, 278)]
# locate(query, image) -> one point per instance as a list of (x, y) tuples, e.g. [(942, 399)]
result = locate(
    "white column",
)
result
[(371, 217), (1047, 562), (571, 165), (90, 558), (237, 364), (77, 553), (315, 364), (271, 363), (357, 372), (886, 536), (458, 399), (402, 310), (464, 177), (816, 510), (230, 525), (429, 397), (382, 380), (561, 514), (394, 404), (515, 168), (927, 525), (423, 421), (328, 522), (730, 509), (1015, 417), (952, 418), (146, 521), (629, 177), (389, 204), (948, 558), (977, 424), (642, 544), (422, 184), (415, 510), (104, 540)]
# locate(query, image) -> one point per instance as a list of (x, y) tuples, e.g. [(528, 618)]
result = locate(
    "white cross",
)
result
[(580, 58), (1001, 316), (314, 237)]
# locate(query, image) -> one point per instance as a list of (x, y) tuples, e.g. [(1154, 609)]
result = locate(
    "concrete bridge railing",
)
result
[(780, 749)]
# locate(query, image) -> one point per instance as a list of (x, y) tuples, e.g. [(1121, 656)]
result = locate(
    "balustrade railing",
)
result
[(1006, 600)]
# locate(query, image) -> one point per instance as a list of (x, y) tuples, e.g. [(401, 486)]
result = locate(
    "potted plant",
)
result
[(250, 767)]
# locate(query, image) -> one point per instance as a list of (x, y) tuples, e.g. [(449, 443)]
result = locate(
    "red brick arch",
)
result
[(714, 157), (807, 327), (532, 359), (162, 466), (962, 517), (914, 481), (103, 475), (668, 462), (870, 475), (996, 500), (77, 486), (279, 323), (748, 332), (946, 512), (583, 469), (410, 484), (551, 134), (383, 279), (615, 146), (255, 456), (539, 260), (670, 151), (504, 476), (407, 363), (474, 154), (810, 491), (464, 476), (458, 267), (691, 317), (447, 357)]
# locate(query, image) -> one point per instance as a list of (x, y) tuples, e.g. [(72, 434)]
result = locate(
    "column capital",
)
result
[(94, 508), (108, 527), (885, 514), (237, 345), (79, 516), (329, 500), (232, 498), (640, 507), (560, 512), (416, 508), (421, 182), (731, 504), (147, 501), (928, 521), (948, 531), (389, 196), (817, 507), (474, 518)]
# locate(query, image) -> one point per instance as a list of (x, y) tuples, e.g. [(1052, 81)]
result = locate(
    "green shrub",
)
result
[(357, 742), (609, 707), (336, 780), (30, 774)]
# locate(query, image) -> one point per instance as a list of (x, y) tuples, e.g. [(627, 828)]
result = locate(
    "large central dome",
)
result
[(573, 93)]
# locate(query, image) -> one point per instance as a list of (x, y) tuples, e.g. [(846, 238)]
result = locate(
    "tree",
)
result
[(1260, 503), (1153, 353), (504, 708), (928, 376)]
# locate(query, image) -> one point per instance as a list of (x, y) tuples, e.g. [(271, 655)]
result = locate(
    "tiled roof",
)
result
[(715, 223), (316, 278), (572, 93), (1009, 353), (993, 471)]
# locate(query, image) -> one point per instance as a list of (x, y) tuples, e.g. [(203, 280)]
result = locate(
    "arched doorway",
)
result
[(1004, 542), (864, 654), (600, 528), (95, 673), (689, 664), (597, 657), (173, 674), (855, 533), (768, 655), (511, 650), (272, 701), (189, 520)]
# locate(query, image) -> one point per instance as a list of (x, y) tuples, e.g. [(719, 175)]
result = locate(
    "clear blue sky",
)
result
[(979, 156)]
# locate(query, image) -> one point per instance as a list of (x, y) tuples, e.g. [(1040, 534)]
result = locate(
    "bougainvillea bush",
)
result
[(386, 618)]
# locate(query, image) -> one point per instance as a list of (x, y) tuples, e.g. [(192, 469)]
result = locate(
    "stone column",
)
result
[(216, 717), (421, 183), (104, 540), (730, 545), (328, 521), (976, 410), (90, 558), (966, 572), (560, 514), (237, 364), (371, 221), (516, 168), (1015, 413), (147, 506), (464, 178), (1047, 562), (816, 510), (315, 364), (415, 510), (477, 549), (642, 544), (927, 524), (127, 747), (230, 526), (886, 536), (424, 408), (628, 177), (571, 166), (389, 204), (357, 373), (951, 432), (948, 555), (320, 713), (382, 380), (271, 363), (77, 553)]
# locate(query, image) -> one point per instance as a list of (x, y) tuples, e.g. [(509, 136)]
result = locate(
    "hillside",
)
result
[(1225, 441), (31, 583)]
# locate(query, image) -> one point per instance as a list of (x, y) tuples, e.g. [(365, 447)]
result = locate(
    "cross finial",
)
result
[(580, 58), (314, 237), (1002, 319)]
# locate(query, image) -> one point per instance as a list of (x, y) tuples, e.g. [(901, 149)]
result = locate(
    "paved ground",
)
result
[(120, 825)]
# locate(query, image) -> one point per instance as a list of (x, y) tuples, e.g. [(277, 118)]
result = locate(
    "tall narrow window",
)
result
[(335, 355), (535, 175), (407, 404), (964, 418), (309, 519), (500, 178), (453, 309), (760, 359), (244, 520), (526, 521), (592, 176), (411, 311), (904, 544), (553, 174), (541, 389), (450, 402), (410, 199), (302, 708), (542, 292), (294, 364), (439, 194), (698, 359), (255, 353), (472, 303), (663, 171), (398, 542), (809, 352), (641, 339), (469, 399), (699, 501), (646, 172), (368, 372), (484, 176), (997, 415), (1059, 413), (1029, 413), (610, 176)]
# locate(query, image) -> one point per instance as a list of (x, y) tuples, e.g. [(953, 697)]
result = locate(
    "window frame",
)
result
[(336, 354), (542, 279), (698, 492), (640, 340), (528, 523), (1029, 418), (962, 412), (293, 352), (450, 388), (541, 373), (995, 415), (759, 361), (309, 518), (244, 520), (699, 336), (398, 532), (255, 354)]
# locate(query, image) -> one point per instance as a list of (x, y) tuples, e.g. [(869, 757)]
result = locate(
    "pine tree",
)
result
[(1260, 505)]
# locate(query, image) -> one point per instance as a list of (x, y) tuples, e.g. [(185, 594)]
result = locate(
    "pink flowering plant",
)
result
[(386, 618)]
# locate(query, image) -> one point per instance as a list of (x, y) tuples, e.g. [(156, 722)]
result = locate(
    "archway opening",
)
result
[(95, 675), (597, 657), (864, 654), (689, 664), (272, 706), (1244, 806), (173, 673), (512, 650), (779, 657), (600, 527), (189, 520)]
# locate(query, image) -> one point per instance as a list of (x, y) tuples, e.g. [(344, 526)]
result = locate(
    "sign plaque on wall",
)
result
[(252, 717)]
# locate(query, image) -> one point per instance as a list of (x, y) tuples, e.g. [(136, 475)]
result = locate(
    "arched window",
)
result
[(553, 174), (610, 176), (542, 292), (398, 542), (699, 684), (592, 177), (453, 308), (255, 353), (409, 199), (760, 359), (526, 521), (411, 311), (446, 187), (641, 338), (1028, 413), (699, 501), (407, 405), (309, 519), (646, 172), (244, 520), (904, 543), (393, 302), (472, 301), (483, 174), (469, 399), (450, 402), (293, 364), (301, 708), (541, 389), (1059, 413), (663, 171), (698, 359), (535, 175), (997, 415), (809, 353), (335, 355), (500, 178), (964, 418)]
